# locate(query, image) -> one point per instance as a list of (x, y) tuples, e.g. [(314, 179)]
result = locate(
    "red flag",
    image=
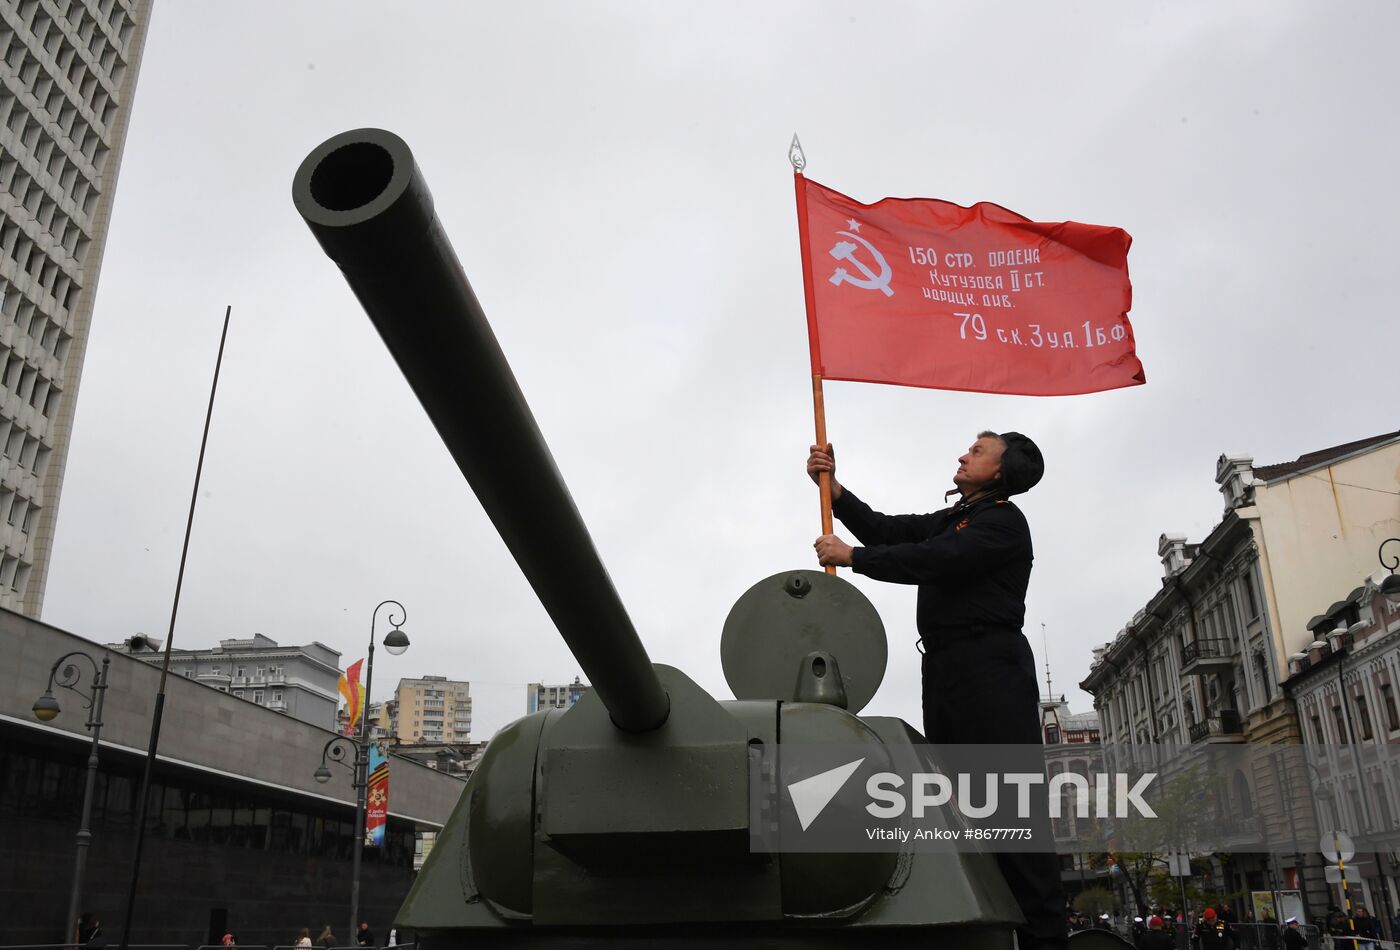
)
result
[(922, 292)]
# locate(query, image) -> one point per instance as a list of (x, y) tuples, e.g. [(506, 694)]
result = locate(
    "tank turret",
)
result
[(643, 812)]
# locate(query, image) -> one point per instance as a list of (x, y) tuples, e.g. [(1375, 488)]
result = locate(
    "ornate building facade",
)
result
[(1204, 661)]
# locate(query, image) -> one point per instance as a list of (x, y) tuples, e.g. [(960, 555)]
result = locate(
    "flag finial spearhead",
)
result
[(799, 160)]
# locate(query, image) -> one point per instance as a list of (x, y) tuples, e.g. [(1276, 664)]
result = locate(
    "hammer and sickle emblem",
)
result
[(846, 251)]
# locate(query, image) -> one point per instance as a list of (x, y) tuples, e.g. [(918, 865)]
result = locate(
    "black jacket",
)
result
[(1368, 926), (972, 562)]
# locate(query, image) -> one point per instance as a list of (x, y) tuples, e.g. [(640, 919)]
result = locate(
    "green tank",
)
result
[(640, 815)]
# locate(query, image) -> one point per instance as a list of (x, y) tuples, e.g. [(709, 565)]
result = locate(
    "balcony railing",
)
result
[(1205, 650), (1204, 656), (1236, 830), (1225, 724)]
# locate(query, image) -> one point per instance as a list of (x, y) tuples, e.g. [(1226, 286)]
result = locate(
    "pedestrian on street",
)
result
[(363, 937), (1293, 938), (303, 938), (326, 939), (1368, 929)]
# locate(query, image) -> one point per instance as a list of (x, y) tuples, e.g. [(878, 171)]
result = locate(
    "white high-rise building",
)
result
[(67, 72)]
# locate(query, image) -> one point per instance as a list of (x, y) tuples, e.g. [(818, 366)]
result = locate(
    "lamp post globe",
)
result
[(1390, 587), (322, 774), (396, 641), (46, 708)]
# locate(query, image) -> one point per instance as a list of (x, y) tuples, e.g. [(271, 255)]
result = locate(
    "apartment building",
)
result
[(433, 709), (300, 681)]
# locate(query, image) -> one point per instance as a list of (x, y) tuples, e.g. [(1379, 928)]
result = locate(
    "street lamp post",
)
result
[(395, 641), (46, 708)]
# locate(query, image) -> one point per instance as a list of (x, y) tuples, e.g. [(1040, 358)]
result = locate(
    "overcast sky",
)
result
[(614, 177)]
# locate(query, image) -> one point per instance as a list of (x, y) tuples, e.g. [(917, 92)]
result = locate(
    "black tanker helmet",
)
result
[(1021, 464)]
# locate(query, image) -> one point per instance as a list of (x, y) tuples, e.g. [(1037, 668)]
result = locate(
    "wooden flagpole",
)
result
[(799, 162)]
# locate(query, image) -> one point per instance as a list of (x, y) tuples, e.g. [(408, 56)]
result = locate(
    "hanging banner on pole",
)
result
[(377, 807), (923, 292), (354, 692)]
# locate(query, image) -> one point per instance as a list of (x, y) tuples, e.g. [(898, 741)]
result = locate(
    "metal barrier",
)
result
[(112, 944), (1268, 936), (1257, 936), (1333, 942)]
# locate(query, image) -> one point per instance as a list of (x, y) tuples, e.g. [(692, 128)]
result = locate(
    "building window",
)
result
[(258, 696), (1364, 715), (1341, 724), (240, 671), (1317, 730), (1243, 797), (1264, 678), (1249, 594), (1052, 735), (1383, 806), (276, 695), (1392, 719)]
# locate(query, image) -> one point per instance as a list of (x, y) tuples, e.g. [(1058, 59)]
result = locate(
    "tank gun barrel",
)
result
[(365, 200)]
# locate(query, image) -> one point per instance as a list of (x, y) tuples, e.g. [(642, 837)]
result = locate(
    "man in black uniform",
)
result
[(1213, 932), (1293, 938), (1157, 938), (972, 564)]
